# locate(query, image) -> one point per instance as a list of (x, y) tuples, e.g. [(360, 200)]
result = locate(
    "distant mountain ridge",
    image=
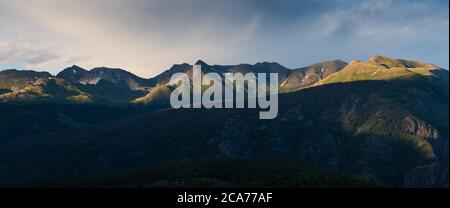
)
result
[(156, 90), (119, 76), (88, 82), (13, 79), (49, 89)]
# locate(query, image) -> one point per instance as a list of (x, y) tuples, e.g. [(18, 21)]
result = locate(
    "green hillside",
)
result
[(158, 96), (13, 79), (380, 68), (47, 90)]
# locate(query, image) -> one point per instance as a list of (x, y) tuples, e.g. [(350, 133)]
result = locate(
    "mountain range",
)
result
[(81, 84), (380, 122)]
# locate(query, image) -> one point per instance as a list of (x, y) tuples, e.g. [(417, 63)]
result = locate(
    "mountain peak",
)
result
[(76, 74), (268, 63), (74, 68), (200, 62), (379, 58), (179, 67), (104, 68), (389, 62), (338, 61), (375, 56)]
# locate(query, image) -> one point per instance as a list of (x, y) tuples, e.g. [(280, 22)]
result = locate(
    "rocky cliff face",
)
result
[(419, 128)]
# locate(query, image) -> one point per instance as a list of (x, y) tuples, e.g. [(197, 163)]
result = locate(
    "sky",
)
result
[(147, 37)]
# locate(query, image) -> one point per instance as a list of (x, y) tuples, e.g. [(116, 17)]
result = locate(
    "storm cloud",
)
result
[(146, 37)]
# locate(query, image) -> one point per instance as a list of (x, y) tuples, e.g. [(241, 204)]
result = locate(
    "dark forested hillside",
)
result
[(384, 119), (384, 129), (236, 172)]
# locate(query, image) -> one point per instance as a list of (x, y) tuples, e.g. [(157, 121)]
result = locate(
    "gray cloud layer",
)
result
[(146, 37)]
